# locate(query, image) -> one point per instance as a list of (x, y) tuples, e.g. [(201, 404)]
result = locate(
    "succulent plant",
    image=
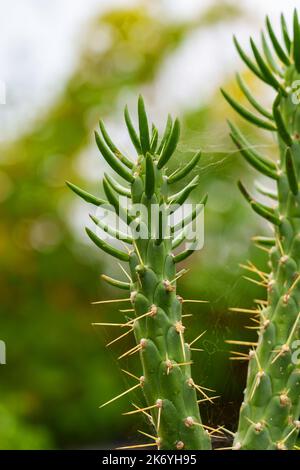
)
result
[(269, 416), (156, 322)]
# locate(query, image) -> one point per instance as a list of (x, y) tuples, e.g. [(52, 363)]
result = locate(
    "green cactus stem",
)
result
[(169, 390), (269, 416)]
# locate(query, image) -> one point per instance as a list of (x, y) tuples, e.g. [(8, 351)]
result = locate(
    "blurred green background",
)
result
[(58, 369)]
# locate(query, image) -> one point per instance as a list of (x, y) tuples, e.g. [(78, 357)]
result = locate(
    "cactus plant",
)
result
[(166, 382), (269, 416)]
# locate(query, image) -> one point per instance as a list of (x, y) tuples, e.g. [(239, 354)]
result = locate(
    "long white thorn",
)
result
[(110, 301), (125, 272), (121, 395), (119, 337), (198, 337)]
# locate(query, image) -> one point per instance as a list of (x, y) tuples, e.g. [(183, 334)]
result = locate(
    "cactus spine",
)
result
[(269, 416), (166, 382)]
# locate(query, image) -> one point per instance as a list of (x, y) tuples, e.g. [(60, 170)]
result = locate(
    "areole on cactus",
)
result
[(169, 390)]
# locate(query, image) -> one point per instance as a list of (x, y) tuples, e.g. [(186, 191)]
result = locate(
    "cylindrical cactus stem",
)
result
[(269, 417), (164, 354), (169, 390)]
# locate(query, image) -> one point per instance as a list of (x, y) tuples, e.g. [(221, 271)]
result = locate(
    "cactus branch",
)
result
[(270, 411), (169, 391)]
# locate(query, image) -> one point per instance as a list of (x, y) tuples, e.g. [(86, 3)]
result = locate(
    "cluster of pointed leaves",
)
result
[(156, 154), (278, 69)]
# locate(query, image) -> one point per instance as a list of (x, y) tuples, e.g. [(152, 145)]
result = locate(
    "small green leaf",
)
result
[(154, 140), (266, 72), (170, 145), (266, 191), (291, 172), (256, 105), (149, 177), (120, 189), (113, 148), (143, 126), (106, 247), (190, 217), (183, 255), (116, 283), (244, 192), (132, 133), (166, 134), (248, 61), (296, 51), (269, 57), (85, 195), (277, 47), (260, 209), (264, 241), (112, 160), (114, 201), (180, 197), (111, 231), (246, 145), (252, 160), (248, 115), (285, 33), (281, 127), (185, 170), (179, 239)]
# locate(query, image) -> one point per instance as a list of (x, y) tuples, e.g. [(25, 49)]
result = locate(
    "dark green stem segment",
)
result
[(269, 416), (169, 390)]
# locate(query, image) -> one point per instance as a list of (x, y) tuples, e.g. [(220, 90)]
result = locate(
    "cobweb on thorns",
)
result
[(215, 156)]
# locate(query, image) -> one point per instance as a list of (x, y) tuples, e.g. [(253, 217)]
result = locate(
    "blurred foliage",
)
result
[(16, 435), (58, 370)]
